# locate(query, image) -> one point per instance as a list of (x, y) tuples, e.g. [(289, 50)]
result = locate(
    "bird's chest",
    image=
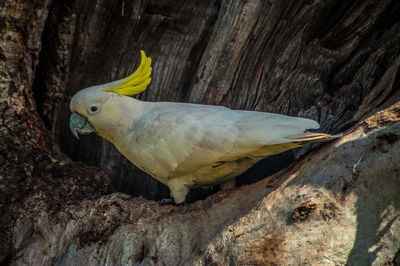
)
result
[(144, 156)]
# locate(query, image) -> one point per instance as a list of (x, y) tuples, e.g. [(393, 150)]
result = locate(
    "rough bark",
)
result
[(337, 63), (312, 59)]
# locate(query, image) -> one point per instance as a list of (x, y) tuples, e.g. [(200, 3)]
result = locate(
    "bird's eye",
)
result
[(93, 108)]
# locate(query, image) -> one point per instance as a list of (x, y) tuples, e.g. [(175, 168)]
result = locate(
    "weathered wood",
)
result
[(31, 165), (312, 59), (332, 61), (339, 205)]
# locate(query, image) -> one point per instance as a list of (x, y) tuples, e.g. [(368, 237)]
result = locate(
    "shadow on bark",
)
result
[(333, 62)]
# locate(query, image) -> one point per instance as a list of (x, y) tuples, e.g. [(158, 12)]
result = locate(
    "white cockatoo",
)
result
[(184, 145)]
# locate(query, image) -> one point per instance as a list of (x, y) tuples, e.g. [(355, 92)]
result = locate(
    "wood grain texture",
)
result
[(316, 59), (92, 44), (332, 61), (349, 188)]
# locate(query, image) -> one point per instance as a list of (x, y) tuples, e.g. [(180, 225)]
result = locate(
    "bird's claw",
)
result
[(167, 201)]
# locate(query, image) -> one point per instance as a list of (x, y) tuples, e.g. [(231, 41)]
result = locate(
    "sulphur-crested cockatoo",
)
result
[(184, 145)]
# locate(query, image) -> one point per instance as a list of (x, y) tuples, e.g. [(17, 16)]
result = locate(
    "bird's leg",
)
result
[(229, 184), (178, 190)]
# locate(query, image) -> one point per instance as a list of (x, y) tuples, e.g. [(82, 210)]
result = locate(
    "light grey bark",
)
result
[(334, 62), (338, 205)]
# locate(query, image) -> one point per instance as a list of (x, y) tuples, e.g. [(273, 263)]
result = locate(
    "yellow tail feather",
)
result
[(310, 136)]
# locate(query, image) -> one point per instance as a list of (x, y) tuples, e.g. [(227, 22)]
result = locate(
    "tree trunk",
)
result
[(335, 62)]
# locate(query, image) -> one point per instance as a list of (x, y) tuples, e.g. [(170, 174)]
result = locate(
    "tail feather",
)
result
[(311, 137), (294, 142)]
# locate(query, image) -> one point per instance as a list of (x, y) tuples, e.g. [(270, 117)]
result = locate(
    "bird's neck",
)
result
[(122, 115)]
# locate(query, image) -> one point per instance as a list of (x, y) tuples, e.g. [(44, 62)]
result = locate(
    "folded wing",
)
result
[(173, 139)]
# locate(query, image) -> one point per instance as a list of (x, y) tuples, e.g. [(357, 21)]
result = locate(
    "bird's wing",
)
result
[(263, 134), (174, 139)]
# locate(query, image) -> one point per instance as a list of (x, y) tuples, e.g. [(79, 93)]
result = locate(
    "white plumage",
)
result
[(186, 145)]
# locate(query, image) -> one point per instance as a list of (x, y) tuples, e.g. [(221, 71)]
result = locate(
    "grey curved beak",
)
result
[(79, 125)]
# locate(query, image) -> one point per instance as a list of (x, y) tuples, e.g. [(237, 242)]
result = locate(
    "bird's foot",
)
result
[(168, 201), (164, 202)]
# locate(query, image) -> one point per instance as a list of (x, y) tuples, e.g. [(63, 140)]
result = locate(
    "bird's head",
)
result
[(99, 107)]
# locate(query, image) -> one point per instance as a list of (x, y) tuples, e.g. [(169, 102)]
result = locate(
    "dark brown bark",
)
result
[(331, 61), (317, 60)]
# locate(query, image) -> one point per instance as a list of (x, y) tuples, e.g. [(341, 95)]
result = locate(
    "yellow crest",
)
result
[(136, 82)]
